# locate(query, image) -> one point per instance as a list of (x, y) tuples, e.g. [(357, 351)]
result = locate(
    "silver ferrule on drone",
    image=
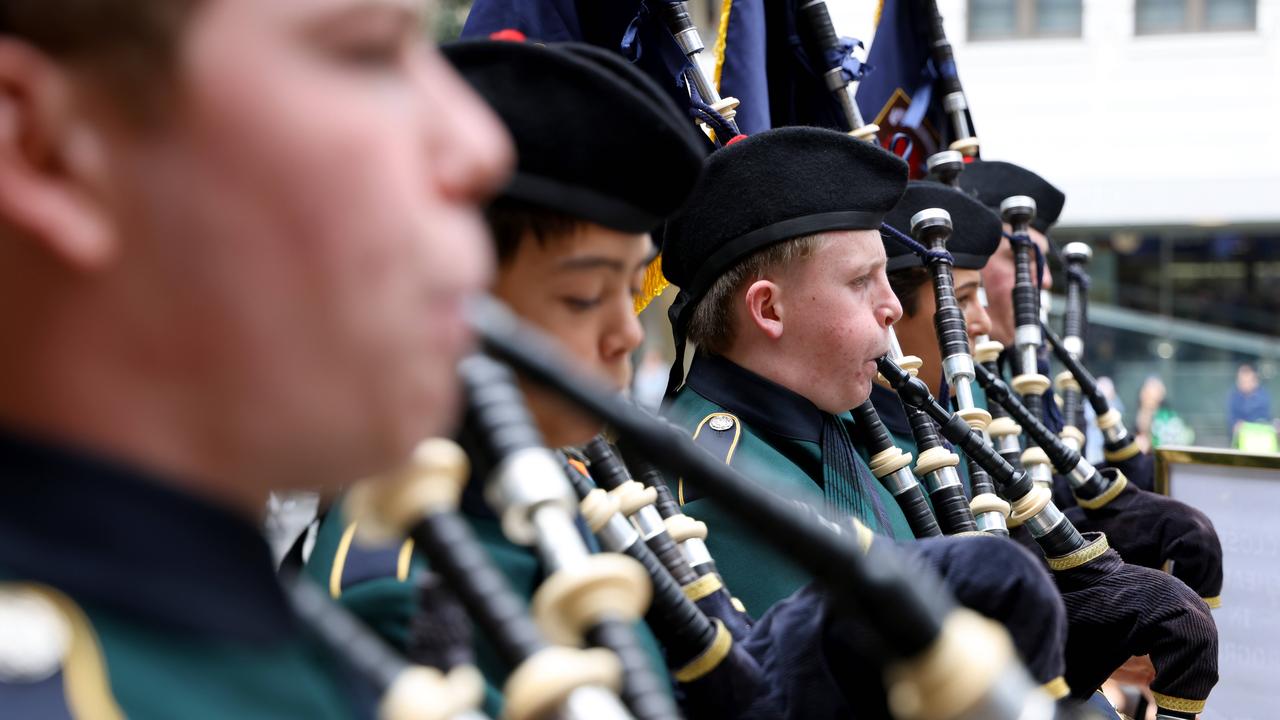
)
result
[(991, 522), (690, 42), (1008, 443), (899, 481), (1116, 434), (1043, 522), (617, 534), (895, 348), (649, 521), (955, 106), (1041, 474), (944, 158), (559, 543), (960, 373), (1082, 473), (1027, 338), (943, 477), (696, 552), (524, 482)]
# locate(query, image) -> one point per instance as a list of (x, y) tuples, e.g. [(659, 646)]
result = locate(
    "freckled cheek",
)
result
[(842, 332)]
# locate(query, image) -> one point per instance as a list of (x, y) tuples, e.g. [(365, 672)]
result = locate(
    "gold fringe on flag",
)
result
[(653, 286), (722, 35)]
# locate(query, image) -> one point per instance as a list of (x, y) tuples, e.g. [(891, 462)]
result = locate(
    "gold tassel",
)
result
[(653, 286), (722, 35), (879, 9)]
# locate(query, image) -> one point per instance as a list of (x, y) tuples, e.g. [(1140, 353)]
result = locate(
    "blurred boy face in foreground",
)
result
[(250, 278)]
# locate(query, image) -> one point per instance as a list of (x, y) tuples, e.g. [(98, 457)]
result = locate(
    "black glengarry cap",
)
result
[(975, 229), (775, 186), (596, 139), (991, 181)]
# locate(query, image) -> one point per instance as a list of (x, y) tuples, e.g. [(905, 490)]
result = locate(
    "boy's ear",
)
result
[(763, 301), (52, 164)]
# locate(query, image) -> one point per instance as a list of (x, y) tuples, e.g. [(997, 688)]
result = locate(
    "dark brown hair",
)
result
[(511, 221), (906, 285)]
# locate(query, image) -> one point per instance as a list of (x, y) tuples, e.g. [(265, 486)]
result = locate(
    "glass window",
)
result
[(1008, 19), (1230, 14), (1175, 16), (1058, 17), (1160, 16), (992, 19)]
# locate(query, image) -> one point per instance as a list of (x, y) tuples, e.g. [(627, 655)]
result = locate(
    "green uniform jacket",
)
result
[(775, 437), (377, 583), (122, 598)]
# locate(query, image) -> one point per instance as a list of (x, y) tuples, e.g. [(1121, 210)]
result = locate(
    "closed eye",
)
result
[(580, 304)]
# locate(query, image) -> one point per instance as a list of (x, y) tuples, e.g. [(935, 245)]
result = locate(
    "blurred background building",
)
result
[(1157, 117), (1154, 117)]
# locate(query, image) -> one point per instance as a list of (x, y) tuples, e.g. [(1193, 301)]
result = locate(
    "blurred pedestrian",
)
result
[(1249, 413), (1157, 423)]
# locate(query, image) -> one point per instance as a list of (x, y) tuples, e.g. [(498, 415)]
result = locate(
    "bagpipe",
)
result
[(1115, 610), (421, 501), (935, 465), (449, 690), (1083, 566), (1085, 569), (716, 112), (932, 228), (1075, 257), (923, 643), (1051, 454), (1120, 448), (936, 661), (1146, 528), (891, 466)]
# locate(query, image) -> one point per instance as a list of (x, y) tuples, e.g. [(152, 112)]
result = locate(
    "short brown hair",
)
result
[(128, 44), (711, 325), (511, 221)]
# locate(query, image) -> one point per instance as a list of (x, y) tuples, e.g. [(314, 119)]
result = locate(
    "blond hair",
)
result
[(711, 325)]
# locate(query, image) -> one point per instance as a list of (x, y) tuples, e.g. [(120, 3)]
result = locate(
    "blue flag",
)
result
[(742, 60), (904, 92), (545, 20), (632, 28), (764, 60)]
